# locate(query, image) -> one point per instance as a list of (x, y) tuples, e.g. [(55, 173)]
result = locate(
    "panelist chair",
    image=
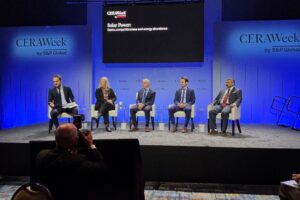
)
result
[(234, 117), (181, 114), (141, 113), (95, 116), (61, 116)]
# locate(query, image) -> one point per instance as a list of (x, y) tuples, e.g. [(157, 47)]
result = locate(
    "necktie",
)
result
[(144, 96), (59, 97), (182, 95), (224, 103)]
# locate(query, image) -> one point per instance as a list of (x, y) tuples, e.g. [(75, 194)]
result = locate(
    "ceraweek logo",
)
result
[(117, 14), (43, 46), (269, 38), (281, 42)]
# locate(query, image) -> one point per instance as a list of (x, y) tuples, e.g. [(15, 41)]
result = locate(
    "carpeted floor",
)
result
[(8, 185), (6, 192)]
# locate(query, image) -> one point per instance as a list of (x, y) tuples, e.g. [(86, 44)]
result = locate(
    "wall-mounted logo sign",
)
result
[(265, 39), (42, 45)]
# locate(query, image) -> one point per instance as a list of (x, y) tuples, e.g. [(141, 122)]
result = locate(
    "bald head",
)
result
[(66, 136)]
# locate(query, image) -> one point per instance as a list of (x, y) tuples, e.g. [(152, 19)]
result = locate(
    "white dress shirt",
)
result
[(63, 98)]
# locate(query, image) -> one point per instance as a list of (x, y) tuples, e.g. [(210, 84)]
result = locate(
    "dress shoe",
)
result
[(174, 129), (108, 129), (213, 132), (147, 129), (184, 130), (133, 129), (224, 133)]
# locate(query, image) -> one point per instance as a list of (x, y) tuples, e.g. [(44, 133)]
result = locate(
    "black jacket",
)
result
[(71, 176), (54, 96), (150, 98), (100, 97)]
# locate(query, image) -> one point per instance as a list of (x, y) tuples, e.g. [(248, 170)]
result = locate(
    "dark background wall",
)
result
[(260, 9), (40, 13), (58, 12)]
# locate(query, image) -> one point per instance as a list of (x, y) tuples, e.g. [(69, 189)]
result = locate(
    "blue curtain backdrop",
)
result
[(26, 72), (264, 58), (29, 58)]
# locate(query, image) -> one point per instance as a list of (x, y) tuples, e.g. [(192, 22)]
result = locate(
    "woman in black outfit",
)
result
[(106, 98)]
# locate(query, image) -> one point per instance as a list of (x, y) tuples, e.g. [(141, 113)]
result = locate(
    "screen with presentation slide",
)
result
[(153, 33)]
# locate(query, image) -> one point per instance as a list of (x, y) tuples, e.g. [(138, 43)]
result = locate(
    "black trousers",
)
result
[(55, 112), (104, 110)]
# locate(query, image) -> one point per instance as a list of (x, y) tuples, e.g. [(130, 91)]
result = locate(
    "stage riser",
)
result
[(188, 164)]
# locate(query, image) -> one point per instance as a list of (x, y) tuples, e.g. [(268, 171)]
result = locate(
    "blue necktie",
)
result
[(182, 95), (144, 96)]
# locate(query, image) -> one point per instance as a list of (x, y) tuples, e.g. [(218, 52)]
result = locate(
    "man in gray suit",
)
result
[(226, 99), (184, 99), (145, 100)]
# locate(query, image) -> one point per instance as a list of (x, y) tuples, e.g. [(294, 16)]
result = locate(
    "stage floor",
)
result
[(253, 136)]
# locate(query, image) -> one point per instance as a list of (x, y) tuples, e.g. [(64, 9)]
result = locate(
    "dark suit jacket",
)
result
[(190, 96), (54, 96), (71, 176), (150, 98), (100, 97), (235, 96)]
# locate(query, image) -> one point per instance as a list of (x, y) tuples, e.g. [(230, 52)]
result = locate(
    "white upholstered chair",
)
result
[(112, 113), (141, 113), (234, 116), (181, 114), (61, 116)]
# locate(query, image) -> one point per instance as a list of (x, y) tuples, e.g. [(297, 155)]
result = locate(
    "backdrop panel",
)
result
[(29, 58), (263, 57)]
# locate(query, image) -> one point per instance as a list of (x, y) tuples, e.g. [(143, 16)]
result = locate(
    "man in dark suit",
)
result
[(58, 98), (226, 99), (184, 99), (75, 168), (145, 100)]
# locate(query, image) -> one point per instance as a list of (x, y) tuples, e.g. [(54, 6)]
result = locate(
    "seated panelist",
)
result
[(58, 99), (106, 98), (183, 101), (145, 100), (226, 99)]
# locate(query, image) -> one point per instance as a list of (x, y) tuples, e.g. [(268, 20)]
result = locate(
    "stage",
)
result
[(252, 136), (260, 155)]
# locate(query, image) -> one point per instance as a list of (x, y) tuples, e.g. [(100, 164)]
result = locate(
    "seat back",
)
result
[(141, 113), (112, 113), (234, 115), (62, 115), (32, 191), (182, 114)]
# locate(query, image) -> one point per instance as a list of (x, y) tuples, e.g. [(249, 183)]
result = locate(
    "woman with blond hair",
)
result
[(106, 98)]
